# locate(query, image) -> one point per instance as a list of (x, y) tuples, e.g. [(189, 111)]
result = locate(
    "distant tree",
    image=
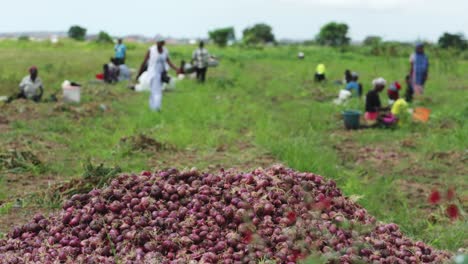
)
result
[(456, 41), (77, 32), (259, 33), (222, 36), (372, 40), (23, 38), (103, 37), (334, 34)]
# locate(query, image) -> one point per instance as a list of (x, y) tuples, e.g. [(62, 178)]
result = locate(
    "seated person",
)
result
[(375, 113), (111, 71), (373, 105), (320, 73), (31, 86), (393, 92), (399, 108), (353, 85)]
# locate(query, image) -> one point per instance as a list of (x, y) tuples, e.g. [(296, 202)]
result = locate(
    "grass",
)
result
[(258, 102)]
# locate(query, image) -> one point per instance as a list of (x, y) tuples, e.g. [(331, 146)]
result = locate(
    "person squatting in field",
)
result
[(156, 61), (320, 73), (419, 70), (30, 86), (200, 59), (399, 106), (375, 113), (111, 71), (353, 85)]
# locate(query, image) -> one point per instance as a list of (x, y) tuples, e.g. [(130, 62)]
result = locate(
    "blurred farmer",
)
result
[(347, 76), (393, 92), (320, 73), (419, 69), (31, 86), (353, 86), (155, 61), (399, 106), (409, 89), (111, 71), (120, 52), (373, 105), (200, 59)]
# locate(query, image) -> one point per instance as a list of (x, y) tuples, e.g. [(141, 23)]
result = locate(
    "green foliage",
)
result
[(372, 41), (334, 34), (77, 33), (99, 175), (222, 36), (258, 34), (17, 161), (24, 38), (104, 38), (456, 41)]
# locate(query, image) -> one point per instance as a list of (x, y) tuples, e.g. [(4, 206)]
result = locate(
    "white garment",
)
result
[(143, 83), (343, 96), (29, 87), (156, 66)]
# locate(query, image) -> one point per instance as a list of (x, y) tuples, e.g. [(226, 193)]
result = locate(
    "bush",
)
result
[(23, 38), (77, 33), (103, 37), (222, 36), (258, 34), (334, 34), (456, 41)]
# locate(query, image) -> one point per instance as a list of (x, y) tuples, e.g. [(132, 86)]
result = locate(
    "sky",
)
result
[(404, 20)]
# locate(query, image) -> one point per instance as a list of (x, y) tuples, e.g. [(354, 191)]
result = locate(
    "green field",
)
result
[(259, 107)]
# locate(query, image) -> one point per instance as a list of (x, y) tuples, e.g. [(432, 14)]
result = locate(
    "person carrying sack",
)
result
[(155, 60)]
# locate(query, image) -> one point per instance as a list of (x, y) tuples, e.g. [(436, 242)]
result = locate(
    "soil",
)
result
[(143, 142), (379, 157)]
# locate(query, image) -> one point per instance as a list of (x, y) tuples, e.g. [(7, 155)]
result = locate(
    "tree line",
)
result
[(333, 34)]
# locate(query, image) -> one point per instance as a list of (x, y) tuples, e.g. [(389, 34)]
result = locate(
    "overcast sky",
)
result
[(405, 20)]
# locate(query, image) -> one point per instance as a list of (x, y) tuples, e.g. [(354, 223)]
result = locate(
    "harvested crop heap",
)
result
[(175, 217)]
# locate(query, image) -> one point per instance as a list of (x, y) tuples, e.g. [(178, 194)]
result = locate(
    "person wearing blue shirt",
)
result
[(353, 85), (120, 52)]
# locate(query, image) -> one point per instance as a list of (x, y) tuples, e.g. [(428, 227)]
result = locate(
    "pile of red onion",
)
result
[(188, 217)]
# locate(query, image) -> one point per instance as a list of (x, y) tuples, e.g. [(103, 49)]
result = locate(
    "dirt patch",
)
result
[(4, 120), (416, 192), (456, 160), (320, 95), (4, 124), (142, 142), (242, 156), (83, 110), (22, 109), (380, 157)]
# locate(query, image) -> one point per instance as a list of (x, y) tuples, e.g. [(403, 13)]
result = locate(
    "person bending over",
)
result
[(320, 73), (373, 104), (353, 86)]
